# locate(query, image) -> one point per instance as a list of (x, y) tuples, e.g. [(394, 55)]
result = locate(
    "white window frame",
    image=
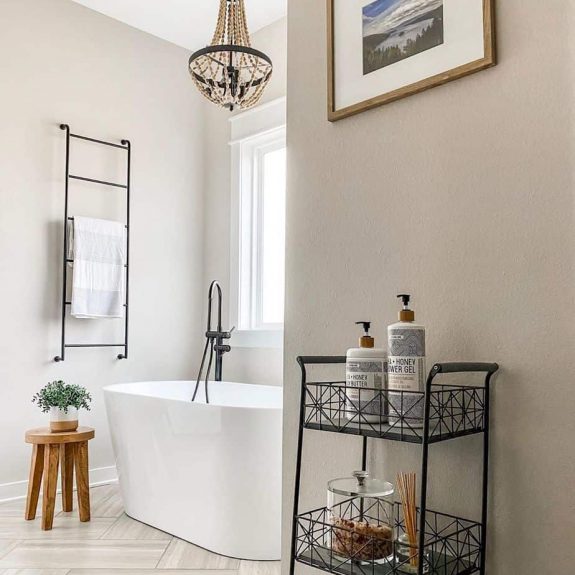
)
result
[(253, 133)]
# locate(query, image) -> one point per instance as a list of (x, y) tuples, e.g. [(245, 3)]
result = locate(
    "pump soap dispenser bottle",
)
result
[(406, 369), (366, 376)]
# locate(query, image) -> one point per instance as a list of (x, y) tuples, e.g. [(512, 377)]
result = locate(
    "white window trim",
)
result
[(267, 119)]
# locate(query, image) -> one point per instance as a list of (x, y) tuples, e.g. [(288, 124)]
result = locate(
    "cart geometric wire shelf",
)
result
[(448, 545), (452, 545), (455, 411)]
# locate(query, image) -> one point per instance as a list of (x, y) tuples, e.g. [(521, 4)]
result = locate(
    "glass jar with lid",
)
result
[(361, 516)]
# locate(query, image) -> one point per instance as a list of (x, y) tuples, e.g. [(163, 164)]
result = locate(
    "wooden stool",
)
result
[(70, 449)]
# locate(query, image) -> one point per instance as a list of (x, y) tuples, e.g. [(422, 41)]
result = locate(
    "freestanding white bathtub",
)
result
[(209, 474)]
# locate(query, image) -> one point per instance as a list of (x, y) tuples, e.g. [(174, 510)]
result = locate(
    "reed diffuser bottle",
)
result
[(407, 546)]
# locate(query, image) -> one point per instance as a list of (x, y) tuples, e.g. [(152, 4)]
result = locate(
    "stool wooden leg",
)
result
[(51, 457), (67, 470), (81, 466), (35, 480)]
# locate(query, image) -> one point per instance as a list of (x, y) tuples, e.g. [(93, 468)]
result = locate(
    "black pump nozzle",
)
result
[(405, 298), (366, 326)]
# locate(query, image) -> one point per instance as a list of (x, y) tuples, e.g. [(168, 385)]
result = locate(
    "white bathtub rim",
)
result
[(122, 389)]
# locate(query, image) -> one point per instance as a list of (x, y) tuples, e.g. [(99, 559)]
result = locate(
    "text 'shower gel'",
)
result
[(406, 369)]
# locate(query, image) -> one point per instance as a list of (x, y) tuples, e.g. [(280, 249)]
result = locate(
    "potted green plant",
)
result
[(62, 401)]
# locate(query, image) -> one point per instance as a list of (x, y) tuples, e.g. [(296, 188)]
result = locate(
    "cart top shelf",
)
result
[(453, 410)]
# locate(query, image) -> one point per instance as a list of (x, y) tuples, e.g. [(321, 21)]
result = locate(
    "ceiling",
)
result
[(188, 23)]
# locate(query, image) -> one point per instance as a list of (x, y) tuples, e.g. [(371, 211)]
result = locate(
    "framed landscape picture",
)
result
[(383, 50)]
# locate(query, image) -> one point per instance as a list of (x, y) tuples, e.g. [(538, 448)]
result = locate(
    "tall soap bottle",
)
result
[(365, 376), (406, 368)]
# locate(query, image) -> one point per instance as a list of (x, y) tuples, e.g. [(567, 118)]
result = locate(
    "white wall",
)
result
[(62, 62), (462, 196), (252, 365)]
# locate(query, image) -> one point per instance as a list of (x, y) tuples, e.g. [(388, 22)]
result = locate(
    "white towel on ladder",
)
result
[(99, 253)]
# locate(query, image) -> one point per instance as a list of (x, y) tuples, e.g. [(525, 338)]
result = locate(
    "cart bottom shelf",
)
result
[(323, 559), (453, 545)]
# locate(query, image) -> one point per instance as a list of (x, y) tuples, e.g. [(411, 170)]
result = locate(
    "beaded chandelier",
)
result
[(230, 72)]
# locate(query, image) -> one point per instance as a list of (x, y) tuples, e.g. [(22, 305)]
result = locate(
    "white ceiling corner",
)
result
[(187, 23)]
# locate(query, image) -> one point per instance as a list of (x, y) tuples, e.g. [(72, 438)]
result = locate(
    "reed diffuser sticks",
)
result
[(407, 490)]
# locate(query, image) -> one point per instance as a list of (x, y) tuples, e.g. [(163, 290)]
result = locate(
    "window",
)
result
[(258, 234), (262, 232), (271, 224)]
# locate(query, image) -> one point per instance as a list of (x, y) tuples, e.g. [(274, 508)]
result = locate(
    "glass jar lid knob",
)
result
[(361, 476)]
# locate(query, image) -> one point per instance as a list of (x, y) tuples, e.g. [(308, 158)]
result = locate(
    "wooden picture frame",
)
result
[(487, 61)]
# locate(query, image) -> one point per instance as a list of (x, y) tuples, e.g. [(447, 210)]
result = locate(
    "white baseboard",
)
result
[(103, 475), (19, 489)]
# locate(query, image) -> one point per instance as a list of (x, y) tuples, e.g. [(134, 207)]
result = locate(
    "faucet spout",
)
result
[(215, 285)]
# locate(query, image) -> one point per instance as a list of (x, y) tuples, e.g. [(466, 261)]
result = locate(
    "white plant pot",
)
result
[(61, 421)]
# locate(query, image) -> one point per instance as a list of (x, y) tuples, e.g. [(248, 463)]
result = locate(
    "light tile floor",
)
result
[(110, 544)]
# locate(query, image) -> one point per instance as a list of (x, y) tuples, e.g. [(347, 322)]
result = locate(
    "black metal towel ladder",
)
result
[(124, 145)]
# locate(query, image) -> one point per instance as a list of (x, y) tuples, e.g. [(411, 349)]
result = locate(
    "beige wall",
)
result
[(251, 365), (64, 63), (462, 196)]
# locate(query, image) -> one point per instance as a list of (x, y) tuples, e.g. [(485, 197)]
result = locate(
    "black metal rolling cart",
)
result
[(448, 545)]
